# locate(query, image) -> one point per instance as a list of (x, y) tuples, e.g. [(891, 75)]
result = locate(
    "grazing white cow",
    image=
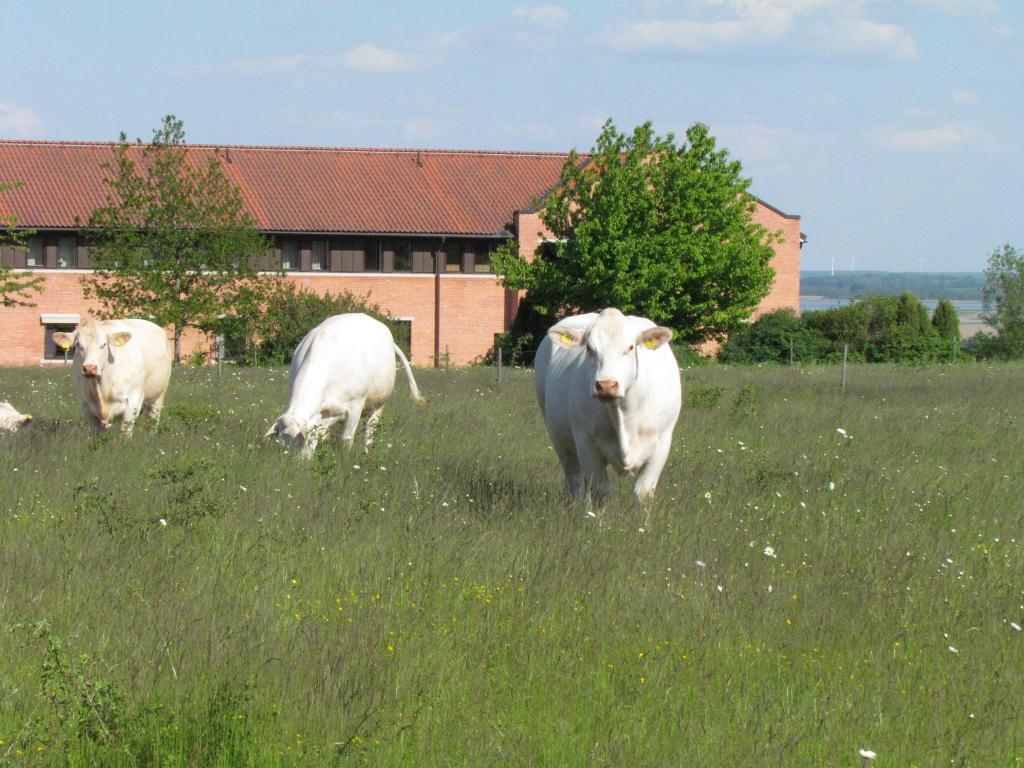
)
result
[(10, 419), (119, 366), (343, 367), (608, 386)]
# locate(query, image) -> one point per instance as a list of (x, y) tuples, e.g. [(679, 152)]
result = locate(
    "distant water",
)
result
[(810, 303)]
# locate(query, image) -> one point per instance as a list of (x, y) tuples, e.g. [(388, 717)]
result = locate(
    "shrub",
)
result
[(290, 313), (770, 339)]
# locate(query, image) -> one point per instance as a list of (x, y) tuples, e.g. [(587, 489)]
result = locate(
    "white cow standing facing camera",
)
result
[(119, 367), (342, 368), (608, 387)]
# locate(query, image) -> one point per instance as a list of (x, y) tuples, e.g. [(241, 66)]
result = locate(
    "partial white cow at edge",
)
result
[(119, 367), (609, 390), (342, 368), (10, 419)]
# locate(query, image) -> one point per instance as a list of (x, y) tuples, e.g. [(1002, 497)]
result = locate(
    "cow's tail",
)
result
[(408, 374)]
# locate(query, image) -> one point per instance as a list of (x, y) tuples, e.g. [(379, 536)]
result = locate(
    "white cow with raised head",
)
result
[(341, 369), (119, 367), (608, 386), (10, 419)]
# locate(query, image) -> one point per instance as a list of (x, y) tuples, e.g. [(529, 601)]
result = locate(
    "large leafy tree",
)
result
[(653, 227), (16, 288), (173, 242), (1003, 299)]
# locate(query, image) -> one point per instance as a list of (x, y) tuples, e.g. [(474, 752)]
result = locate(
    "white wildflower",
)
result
[(1015, 625), (831, 485), (841, 431), (770, 551), (953, 649), (162, 521), (699, 563), (867, 754)]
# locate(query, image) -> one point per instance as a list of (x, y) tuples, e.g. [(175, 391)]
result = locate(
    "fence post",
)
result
[(220, 355), (790, 351), (842, 380), (954, 350), (499, 366)]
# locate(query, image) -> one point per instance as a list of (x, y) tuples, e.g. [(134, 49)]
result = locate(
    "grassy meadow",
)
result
[(194, 596)]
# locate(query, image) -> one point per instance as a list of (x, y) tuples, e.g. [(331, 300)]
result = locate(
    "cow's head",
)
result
[(294, 433), (11, 420), (612, 351), (95, 347)]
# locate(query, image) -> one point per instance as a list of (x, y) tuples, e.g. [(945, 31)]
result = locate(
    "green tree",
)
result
[(16, 288), (773, 338), (653, 228), (173, 242), (1003, 299), (946, 320)]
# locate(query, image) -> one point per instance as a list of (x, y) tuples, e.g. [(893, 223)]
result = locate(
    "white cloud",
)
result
[(368, 58), (768, 24), (18, 121), (371, 58), (863, 36), (546, 16), (824, 26), (941, 138), (964, 97)]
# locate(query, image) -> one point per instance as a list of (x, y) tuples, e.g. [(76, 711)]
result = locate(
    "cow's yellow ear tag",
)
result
[(119, 341), (567, 339), (651, 343)]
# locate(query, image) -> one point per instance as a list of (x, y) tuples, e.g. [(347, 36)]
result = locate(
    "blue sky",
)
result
[(895, 129)]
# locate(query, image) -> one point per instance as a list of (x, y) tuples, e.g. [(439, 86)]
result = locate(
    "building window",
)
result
[(35, 252), (289, 254), (321, 257), (482, 257), (400, 253), (52, 350), (66, 251), (371, 260), (453, 256), (547, 250)]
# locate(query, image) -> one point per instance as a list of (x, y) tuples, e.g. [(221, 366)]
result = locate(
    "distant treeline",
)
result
[(963, 286)]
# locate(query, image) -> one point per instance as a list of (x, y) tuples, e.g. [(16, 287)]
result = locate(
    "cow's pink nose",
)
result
[(90, 370), (606, 388)]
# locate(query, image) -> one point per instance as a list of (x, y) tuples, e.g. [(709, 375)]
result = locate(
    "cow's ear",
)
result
[(64, 340), (566, 336), (653, 338), (120, 338), (331, 409)]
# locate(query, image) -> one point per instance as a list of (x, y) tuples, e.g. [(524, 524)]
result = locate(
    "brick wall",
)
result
[(473, 307)]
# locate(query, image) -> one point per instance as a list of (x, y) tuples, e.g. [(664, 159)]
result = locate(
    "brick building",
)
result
[(411, 229)]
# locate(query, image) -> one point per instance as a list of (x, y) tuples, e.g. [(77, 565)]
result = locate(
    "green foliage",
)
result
[(173, 242), (946, 321), (779, 337), (878, 329), (442, 604), (962, 286), (270, 334), (656, 229), (77, 704), (16, 288), (1003, 301), (703, 396)]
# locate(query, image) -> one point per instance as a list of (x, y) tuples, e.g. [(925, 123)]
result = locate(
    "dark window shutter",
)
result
[(84, 257)]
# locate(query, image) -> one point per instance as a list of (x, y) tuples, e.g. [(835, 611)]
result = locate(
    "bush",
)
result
[(877, 329), (770, 339), (290, 313)]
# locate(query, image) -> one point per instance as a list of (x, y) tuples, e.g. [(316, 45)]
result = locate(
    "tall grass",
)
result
[(194, 596)]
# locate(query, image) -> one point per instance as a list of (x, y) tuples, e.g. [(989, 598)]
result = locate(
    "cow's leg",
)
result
[(132, 408), (647, 480), (154, 408), (594, 471), (371, 427), (353, 411)]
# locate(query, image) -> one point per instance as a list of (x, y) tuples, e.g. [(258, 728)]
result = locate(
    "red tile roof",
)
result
[(303, 189)]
